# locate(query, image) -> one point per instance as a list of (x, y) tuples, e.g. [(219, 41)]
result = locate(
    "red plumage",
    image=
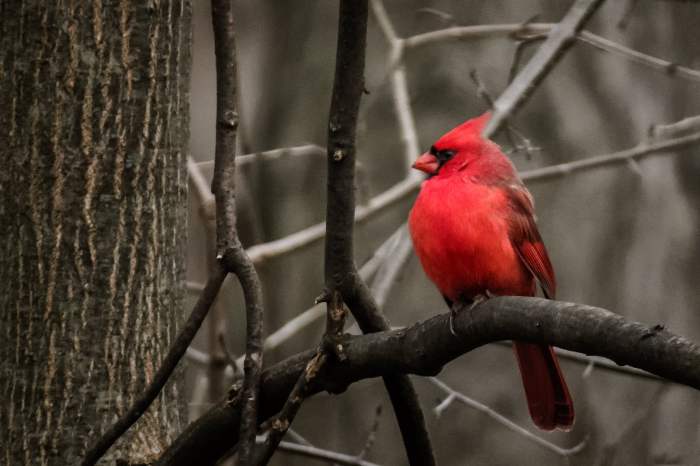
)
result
[(474, 231)]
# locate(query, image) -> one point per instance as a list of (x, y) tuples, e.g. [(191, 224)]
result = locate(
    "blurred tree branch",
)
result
[(426, 347), (524, 31), (454, 395), (547, 56)]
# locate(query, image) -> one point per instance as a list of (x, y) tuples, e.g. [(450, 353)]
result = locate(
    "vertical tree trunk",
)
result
[(93, 139)]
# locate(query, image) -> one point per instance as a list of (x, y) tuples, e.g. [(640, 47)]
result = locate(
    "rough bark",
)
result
[(94, 125), (425, 347)]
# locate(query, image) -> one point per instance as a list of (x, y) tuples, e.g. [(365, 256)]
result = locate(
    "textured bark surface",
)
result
[(94, 131)]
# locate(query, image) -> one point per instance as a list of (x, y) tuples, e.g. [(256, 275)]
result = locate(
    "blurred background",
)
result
[(623, 237)]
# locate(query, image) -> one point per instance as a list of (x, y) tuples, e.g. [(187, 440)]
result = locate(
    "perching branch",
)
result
[(340, 272), (230, 251), (426, 347), (559, 40)]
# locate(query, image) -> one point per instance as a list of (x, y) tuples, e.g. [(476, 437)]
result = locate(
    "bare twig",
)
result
[(309, 451), (372, 436), (198, 357), (426, 347), (453, 395), (280, 424), (634, 154), (678, 128), (378, 204), (194, 287), (201, 190), (297, 437), (519, 30), (175, 353), (392, 266), (399, 88), (594, 361), (230, 251), (560, 38), (282, 153)]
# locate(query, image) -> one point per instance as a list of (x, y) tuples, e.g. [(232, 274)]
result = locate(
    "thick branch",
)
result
[(229, 248), (426, 347)]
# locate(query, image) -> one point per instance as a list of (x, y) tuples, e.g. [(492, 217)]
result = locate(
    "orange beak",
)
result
[(427, 163)]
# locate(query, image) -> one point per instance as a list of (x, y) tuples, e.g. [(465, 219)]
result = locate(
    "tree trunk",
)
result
[(93, 132)]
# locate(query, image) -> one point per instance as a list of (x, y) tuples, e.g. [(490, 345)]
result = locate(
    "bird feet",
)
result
[(460, 305)]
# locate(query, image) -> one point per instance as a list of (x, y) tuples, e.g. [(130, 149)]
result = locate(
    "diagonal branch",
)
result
[(547, 56), (175, 353), (453, 395), (426, 347), (230, 251)]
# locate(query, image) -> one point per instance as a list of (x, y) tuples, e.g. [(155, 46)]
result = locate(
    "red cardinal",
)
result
[(474, 231)]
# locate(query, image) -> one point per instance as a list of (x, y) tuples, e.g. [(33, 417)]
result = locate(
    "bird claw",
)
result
[(457, 307)]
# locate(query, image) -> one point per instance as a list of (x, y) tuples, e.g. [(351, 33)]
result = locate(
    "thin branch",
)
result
[(297, 437), (453, 395), (230, 251), (595, 361), (547, 56), (399, 88), (194, 287), (340, 272), (326, 455), (633, 154), (198, 357), (372, 436), (201, 190), (604, 364), (279, 426), (175, 353), (378, 204), (283, 153), (519, 30), (392, 266), (426, 347)]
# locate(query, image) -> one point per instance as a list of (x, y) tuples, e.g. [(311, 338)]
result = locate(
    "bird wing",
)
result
[(526, 238)]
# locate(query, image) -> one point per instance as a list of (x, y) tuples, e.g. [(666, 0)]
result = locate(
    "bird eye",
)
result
[(444, 155)]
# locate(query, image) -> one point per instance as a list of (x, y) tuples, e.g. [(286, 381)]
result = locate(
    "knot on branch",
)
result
[(229, 120), (338, 155)]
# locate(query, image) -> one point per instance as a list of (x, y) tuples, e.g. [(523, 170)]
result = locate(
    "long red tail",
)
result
[(547, 395)]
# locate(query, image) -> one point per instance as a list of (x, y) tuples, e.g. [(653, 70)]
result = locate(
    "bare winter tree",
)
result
[(93, 106)]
